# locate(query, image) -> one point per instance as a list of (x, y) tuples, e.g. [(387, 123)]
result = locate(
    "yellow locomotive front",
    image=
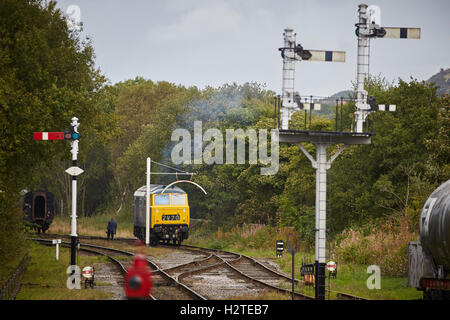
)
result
[(169, 214), (170, 217)]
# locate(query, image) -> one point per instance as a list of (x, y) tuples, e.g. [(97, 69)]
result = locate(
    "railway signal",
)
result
[(292, 244), (73, 135), (138, 279), (280, 248), (290, 104), (369, 28), (291, 53), (332, 268), (88, 275), (48, 135)]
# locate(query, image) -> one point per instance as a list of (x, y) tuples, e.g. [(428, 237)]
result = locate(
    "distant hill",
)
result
[(442, 80), (343, 94)]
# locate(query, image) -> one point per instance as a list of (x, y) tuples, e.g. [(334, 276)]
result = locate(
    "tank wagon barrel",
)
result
[(429, 259)]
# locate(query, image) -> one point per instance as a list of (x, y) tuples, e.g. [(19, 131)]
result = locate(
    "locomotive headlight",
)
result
[(157, 210), (184, 210)]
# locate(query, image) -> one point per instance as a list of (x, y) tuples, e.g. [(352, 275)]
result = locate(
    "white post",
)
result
[(321, 165), (74, 151), (73, 234), (74, 209), (57, 242), (147, 205), (321, 201)]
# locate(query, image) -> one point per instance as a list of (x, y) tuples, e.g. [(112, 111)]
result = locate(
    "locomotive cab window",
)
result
[(161, 199), (178, 199)]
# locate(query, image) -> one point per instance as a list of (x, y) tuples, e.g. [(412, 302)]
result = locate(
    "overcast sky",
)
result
[(212, 42)]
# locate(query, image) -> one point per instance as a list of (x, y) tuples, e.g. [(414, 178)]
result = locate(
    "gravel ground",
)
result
[(176, 258), (221, 283), (109, 279), (272, 265), (216, 284)]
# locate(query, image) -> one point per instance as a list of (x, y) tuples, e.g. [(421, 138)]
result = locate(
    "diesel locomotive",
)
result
[(169, 214)]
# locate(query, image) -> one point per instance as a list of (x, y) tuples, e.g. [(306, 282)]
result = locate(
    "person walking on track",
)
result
[(111, 229)]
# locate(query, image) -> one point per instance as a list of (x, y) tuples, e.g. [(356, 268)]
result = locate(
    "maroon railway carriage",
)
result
[(39, 208)]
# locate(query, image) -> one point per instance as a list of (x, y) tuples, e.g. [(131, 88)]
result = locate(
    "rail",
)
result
[(13, 285), (157, 271), (212, 255)]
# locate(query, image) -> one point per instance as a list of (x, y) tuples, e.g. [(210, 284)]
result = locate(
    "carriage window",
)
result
[(178, 199), (161, 199)]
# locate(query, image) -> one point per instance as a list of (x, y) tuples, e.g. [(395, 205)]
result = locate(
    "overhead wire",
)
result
[(169, 167)]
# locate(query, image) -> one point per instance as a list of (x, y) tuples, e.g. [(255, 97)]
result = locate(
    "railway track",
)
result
[(165, 287), (211, 274), (229, 271)]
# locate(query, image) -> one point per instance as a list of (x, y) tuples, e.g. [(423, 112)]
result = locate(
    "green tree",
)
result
[(47, 77), (372, 181)]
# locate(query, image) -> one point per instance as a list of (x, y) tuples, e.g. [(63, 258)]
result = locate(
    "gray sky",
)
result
[(212, 42)]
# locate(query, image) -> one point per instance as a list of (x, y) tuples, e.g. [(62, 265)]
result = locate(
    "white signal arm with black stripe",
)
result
[(402, 33), (291, 53), (367, 29)]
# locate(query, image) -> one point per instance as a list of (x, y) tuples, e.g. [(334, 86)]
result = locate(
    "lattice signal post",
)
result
[(291, 53), (73, 135), (369, 28)]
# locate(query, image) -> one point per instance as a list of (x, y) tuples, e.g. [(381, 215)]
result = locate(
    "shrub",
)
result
[(385, 244)]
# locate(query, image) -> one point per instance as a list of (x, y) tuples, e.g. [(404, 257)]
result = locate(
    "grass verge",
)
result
[(259, 241), (46, 277), (96, 225)]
